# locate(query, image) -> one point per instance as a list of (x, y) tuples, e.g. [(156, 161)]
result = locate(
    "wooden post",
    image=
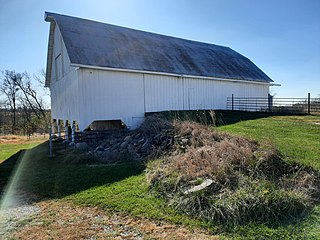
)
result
[(309, 104), (270, 102), (66, 132), (232, 102), (50, 141), (59, 131), (73, 139)]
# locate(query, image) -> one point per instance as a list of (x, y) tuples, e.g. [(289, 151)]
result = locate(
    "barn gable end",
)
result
[(62, 78)]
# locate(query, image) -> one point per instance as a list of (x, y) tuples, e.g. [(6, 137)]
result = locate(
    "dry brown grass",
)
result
[(250, 182), (18, 139), (209, 155), (154, 125)]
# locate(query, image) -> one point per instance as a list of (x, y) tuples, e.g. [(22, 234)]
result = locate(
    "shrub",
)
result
[(255, 202)]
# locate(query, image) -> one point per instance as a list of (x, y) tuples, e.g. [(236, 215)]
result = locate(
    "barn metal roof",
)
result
[(104, 45)]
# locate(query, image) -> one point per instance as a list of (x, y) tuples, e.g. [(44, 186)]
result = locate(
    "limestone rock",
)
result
[(82, 146), (206, 183)]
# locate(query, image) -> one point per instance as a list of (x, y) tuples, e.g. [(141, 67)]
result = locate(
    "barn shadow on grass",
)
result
[(217, 117), (6, 169), (32, 170), (226, 117), (35, 173)]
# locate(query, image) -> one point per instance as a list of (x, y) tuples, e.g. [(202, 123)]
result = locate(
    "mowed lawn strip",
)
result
[(7, 150), (11, 144), (132, 195)]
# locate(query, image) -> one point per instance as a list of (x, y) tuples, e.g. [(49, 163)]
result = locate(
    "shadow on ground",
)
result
[(6, 169), (33, 171), (217, 118), (225, 117)]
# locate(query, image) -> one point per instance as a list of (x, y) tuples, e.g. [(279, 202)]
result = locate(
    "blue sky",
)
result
[(281, 37)]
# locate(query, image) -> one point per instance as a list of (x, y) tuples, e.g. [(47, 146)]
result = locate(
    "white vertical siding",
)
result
[(64, 89), (223, 90), (199, 94), (110, 95), (60, 62), (64, 98), (253, 90), (163, 92)]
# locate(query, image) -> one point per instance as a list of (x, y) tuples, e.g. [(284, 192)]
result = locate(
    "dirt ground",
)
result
[(62, 220)]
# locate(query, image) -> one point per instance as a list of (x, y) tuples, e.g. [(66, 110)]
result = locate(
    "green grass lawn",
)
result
[(120, 187), (7, 150), (124, 188), (297, 137)]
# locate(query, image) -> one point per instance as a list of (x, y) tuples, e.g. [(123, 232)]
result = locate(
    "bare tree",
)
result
[(2, 112), (30, 96), (10, 88), (24, 99), (40, 78)]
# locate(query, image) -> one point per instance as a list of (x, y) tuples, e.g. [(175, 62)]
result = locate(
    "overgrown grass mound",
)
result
[(229, 180)]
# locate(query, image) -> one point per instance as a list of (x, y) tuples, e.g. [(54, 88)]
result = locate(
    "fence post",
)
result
[(59, 131), (50, 141), (232, 102), (270, 102), (66, 133), (309, 104), (73, 139)]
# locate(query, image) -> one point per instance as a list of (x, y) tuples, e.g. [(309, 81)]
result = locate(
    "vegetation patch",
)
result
[(296, 137), (11, 144), (230, 180), (261, 180)]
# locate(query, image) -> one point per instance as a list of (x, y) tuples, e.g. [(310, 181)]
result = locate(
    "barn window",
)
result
[(58, 66)]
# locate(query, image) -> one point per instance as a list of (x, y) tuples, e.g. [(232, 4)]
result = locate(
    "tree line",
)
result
[(23, 109)]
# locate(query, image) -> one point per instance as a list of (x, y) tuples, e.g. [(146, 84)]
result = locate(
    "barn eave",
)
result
[(256, 81)]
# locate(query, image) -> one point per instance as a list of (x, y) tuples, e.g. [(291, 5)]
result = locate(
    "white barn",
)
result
[(100, 73)]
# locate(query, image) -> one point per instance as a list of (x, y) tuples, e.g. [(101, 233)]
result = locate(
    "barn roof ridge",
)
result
[(94, 43), (50, 14)]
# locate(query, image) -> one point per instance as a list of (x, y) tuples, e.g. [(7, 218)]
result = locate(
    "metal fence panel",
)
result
[(270, 104)]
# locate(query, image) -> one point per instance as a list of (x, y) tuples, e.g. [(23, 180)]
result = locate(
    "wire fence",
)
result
[(276, 105)]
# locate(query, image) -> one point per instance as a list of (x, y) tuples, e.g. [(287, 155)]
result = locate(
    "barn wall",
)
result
[(60, 62), (64, 89), (110, 95), (87, 95), (225, 89), (198, 94), (163, 92), (180, 93)]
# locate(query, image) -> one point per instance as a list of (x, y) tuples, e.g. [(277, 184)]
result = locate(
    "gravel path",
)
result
[(63, 220), (16, 210), (13, 218)]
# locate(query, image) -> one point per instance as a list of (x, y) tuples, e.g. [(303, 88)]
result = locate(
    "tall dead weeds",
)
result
[(234, 165)]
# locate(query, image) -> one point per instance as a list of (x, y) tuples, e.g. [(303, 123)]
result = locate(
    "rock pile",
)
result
[(151, 141), (133, 145)]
